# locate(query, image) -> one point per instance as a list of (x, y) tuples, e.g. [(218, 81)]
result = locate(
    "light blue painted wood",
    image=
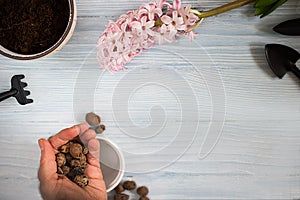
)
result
[(257, 152)]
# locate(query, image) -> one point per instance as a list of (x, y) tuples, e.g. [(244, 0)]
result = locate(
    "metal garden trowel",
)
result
[(289, 27), (282, 59)]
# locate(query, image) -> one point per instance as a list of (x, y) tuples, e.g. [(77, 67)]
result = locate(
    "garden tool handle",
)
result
[(7, 94), (296, 71)]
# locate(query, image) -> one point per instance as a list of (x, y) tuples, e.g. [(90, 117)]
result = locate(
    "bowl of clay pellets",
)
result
[(111, 158), (72, 161), (111, 162), (113, 165)]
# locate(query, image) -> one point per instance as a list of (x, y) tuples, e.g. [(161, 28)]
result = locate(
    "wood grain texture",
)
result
[(169, 98)]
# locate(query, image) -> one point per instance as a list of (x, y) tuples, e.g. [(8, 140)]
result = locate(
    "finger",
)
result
[(93, 172), (87, 135), (47, 169), (97, 184), (94, 152), (67, 134), (83, 127), (93, 169)]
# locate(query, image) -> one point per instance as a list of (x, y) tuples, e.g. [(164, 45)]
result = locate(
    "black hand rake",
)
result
[(17, 91)]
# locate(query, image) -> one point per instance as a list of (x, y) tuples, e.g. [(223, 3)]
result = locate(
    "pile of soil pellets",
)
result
[(71, 161)]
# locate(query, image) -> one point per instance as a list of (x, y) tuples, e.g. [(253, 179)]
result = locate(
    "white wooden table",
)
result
[(196, 120)]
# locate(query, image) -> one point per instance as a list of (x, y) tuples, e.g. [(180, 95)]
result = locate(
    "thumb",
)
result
[(48, 166)]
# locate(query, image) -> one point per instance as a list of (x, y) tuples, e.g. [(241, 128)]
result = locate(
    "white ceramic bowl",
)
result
[(112, 163), (56, 47)]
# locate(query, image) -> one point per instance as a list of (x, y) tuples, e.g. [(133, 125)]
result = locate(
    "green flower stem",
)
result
[(221, 9), (212, 12)]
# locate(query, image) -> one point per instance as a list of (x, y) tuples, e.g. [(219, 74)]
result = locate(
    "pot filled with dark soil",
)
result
[(31, 29)]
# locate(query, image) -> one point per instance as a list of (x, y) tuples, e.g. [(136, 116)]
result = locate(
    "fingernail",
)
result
[(41, 144)]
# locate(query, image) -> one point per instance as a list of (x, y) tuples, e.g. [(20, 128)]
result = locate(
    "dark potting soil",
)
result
[(32, 26)]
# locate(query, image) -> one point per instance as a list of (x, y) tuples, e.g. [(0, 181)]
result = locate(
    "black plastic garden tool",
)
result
[(17, 91), (282, 59), (289, 27)]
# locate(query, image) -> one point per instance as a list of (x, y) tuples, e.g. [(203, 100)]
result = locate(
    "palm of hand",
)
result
[(55, 186)]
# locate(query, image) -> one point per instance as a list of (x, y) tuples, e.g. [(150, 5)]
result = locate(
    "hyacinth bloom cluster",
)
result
[(138, 30)]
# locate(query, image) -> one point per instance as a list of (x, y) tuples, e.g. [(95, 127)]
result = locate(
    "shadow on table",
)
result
[(258, 53)]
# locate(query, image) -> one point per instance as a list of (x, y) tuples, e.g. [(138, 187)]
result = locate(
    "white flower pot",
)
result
[(54, 48)]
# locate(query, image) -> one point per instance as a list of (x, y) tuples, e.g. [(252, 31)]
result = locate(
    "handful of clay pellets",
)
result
[(72, 161)]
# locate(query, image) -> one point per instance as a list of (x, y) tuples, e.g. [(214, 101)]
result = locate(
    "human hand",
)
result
[(57, 187)]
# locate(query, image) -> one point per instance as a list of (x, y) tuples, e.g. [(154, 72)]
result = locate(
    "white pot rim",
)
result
[(121, 169)]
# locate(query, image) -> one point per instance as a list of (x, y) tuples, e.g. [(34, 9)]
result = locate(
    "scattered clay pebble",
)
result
[(66, 169), (142, 191), (83, 165), (60, 159), (85, 150), (119, 189), (69, 158), (82, 158), (59, 170), (75, 163), (129, 185), (75, 150), (121, 197), (100, 128), (144, 198), (64, 148), (75, 172), (92, 119), (81, 180), (71, 161)]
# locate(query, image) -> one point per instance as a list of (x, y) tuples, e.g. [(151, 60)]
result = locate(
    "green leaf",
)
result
[(263, 3), (274, 7), (265, 7), (260, 11)]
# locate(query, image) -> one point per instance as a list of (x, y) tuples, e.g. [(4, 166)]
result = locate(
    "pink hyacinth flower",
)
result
[(138, 30)]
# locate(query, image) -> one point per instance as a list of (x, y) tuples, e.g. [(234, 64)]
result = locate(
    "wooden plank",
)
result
[(256, 155)]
